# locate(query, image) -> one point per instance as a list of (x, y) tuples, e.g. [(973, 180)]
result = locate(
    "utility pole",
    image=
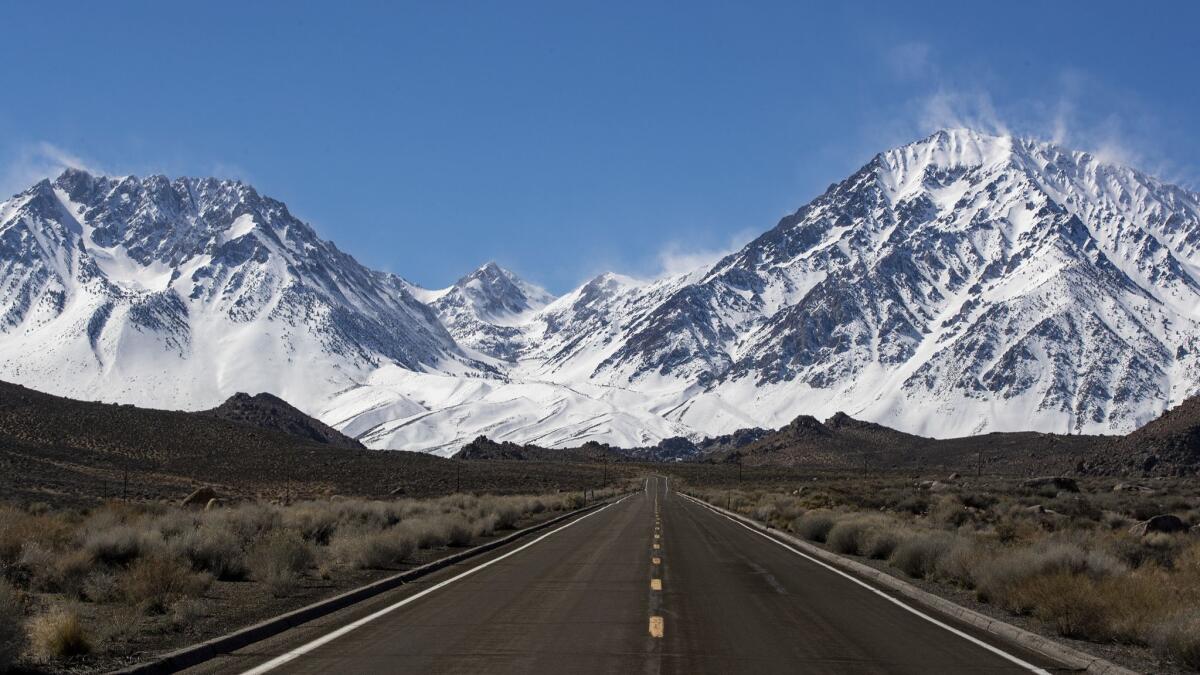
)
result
[(458, 476), (979, 465), (125, 489)]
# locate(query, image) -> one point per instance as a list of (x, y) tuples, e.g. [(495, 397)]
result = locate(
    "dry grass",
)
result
[(919, 554), (280, 560), (813, 526), (377, 550), (113, 574), (154, 583), (1178, 636), (58, 634)]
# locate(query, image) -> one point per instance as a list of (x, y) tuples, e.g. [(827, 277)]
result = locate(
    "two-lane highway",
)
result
[(655, 583)]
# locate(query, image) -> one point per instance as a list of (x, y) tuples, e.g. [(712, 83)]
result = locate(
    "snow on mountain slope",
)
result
[(178, 293), (484, 310), (959, 284)]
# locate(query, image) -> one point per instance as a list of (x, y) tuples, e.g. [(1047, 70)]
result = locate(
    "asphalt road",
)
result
[(604, 594)]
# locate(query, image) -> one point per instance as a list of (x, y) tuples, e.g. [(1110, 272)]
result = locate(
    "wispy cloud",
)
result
[(677, 258), (946, 109), (36, 161), (1071, 107)]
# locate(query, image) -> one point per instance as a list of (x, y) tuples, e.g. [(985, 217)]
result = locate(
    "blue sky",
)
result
[(564, 139)]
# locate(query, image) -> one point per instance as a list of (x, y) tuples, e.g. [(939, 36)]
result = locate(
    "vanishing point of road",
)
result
[(653, 583)]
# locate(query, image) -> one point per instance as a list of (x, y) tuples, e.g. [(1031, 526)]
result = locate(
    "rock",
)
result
[(1162, 523), (1036, 508), (396, 492), (200, 497), (1060, 483), (939, 486), (214, 504), (954, 476)]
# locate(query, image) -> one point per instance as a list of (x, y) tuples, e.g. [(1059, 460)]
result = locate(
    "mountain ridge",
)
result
[(960, 284)]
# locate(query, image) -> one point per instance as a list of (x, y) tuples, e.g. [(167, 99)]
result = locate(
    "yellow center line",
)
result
[(656, 584), (657, 546), (656, 626), (656, 560)]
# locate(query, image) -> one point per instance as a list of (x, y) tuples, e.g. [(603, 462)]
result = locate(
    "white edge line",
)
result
[(941, 624), (330, 637)]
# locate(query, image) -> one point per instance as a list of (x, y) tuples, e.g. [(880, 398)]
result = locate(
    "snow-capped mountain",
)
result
[(178, 293), (959, 284), (485, 309)]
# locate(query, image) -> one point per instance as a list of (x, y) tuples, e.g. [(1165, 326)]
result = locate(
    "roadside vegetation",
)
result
[(90, 589), (1105, 562)]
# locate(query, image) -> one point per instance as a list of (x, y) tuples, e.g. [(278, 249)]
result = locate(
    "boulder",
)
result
[(954, 476), (214, 504), (200, 497), (1162, 523)]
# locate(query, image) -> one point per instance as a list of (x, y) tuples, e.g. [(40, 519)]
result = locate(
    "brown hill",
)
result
[(485, 448), (1167, 445), (60, 450), (273, 413), (844, 442)]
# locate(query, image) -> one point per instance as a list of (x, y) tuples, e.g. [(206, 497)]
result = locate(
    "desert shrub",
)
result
[(173, 524), (35, 565), (1178, 637), (211, 550), (997, 577), (376, 550), (58, 634), (850, 536), (950, 511), (71, 570), (102, 586), (917, 555), (53, 572), (19, 529), (484, 525), (248, 522), (458, 531), (279, 560), (958, 564), (914, 504), (880, 544), (12, 627), (979, 500), (118, 545), (1068, 602), (813, 526), (154, 583)]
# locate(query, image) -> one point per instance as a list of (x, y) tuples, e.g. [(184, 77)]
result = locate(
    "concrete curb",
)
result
[(1068, 656), (192, 655)]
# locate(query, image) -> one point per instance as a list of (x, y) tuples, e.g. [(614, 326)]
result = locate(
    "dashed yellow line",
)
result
[(656, 626), (656, 584), (656, 560)]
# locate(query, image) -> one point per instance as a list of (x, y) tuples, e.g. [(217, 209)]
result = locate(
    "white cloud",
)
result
[(676, 258), (36, 161), (949, 109)]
